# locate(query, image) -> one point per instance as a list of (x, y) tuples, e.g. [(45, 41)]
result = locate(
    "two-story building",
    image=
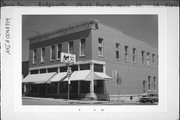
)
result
[(110, 65)]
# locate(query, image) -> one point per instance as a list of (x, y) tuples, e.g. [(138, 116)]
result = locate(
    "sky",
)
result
[(141, 27)]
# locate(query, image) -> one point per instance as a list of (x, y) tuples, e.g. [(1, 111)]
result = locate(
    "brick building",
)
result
[(110, 65)]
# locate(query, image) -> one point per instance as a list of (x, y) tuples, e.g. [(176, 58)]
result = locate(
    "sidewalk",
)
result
[(67, 101)]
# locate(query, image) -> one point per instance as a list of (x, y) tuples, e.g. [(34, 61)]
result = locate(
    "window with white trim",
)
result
[(53, 53), (126, 53), (82, 47), (149, 82), (34, 60), (59, 50), (148, 57), (134, 55), (42, 54), (100, 47), (118, 51), (70, 47)]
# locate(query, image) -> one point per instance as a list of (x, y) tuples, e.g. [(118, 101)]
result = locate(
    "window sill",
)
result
[(58, 59), (81, 55), (52, 60), (42, 62), (126, 61), (101, 56), (134, 62), (118, 59)]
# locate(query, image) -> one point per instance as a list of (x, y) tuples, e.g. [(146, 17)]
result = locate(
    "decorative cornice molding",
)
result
[(76, 27)]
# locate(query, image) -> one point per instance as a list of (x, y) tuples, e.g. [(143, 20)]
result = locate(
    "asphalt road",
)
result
[(35, 101)]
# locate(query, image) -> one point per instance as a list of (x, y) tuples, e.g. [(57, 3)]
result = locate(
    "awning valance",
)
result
[(38, 78)]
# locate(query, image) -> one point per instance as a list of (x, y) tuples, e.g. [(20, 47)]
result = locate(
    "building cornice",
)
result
[(72, 28)]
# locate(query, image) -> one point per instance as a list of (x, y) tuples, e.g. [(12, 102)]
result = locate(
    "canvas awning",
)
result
[(86, 75), (79, 75), (58, 77), (98, 76), (38, 78)]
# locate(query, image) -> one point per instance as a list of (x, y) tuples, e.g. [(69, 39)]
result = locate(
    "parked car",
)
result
[(154, 97), (149, 98)]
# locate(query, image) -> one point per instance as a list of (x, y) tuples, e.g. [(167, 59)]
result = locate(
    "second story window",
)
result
[(154, 83), (148, 62), (143, 57), (153, 57), (82, 47), (42, 54), (52, 53), (118, 51), (134, 55), (70, 47), (149, 82), (100, 46), (126, 53), (59, 50), (34, 60)]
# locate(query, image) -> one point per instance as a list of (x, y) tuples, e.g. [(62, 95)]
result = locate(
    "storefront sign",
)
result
[(68, 58)]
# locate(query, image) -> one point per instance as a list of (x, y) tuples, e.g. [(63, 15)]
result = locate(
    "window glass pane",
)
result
[(74, 68), (63, 87), (143, 59), (63, 69), (149, 83), (70, 47), (59, 50), (126, 53), (42, 70), (34, 55), (82, 47), (52, 69), (42, 54), (53, 54), (34, 71), (117, 50), (100, 46), (153, 57), (85, 86), (98, 68), (148, 58), (134, 54), (85, 67)]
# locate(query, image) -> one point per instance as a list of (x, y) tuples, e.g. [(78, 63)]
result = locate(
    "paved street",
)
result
[(52, 101)]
